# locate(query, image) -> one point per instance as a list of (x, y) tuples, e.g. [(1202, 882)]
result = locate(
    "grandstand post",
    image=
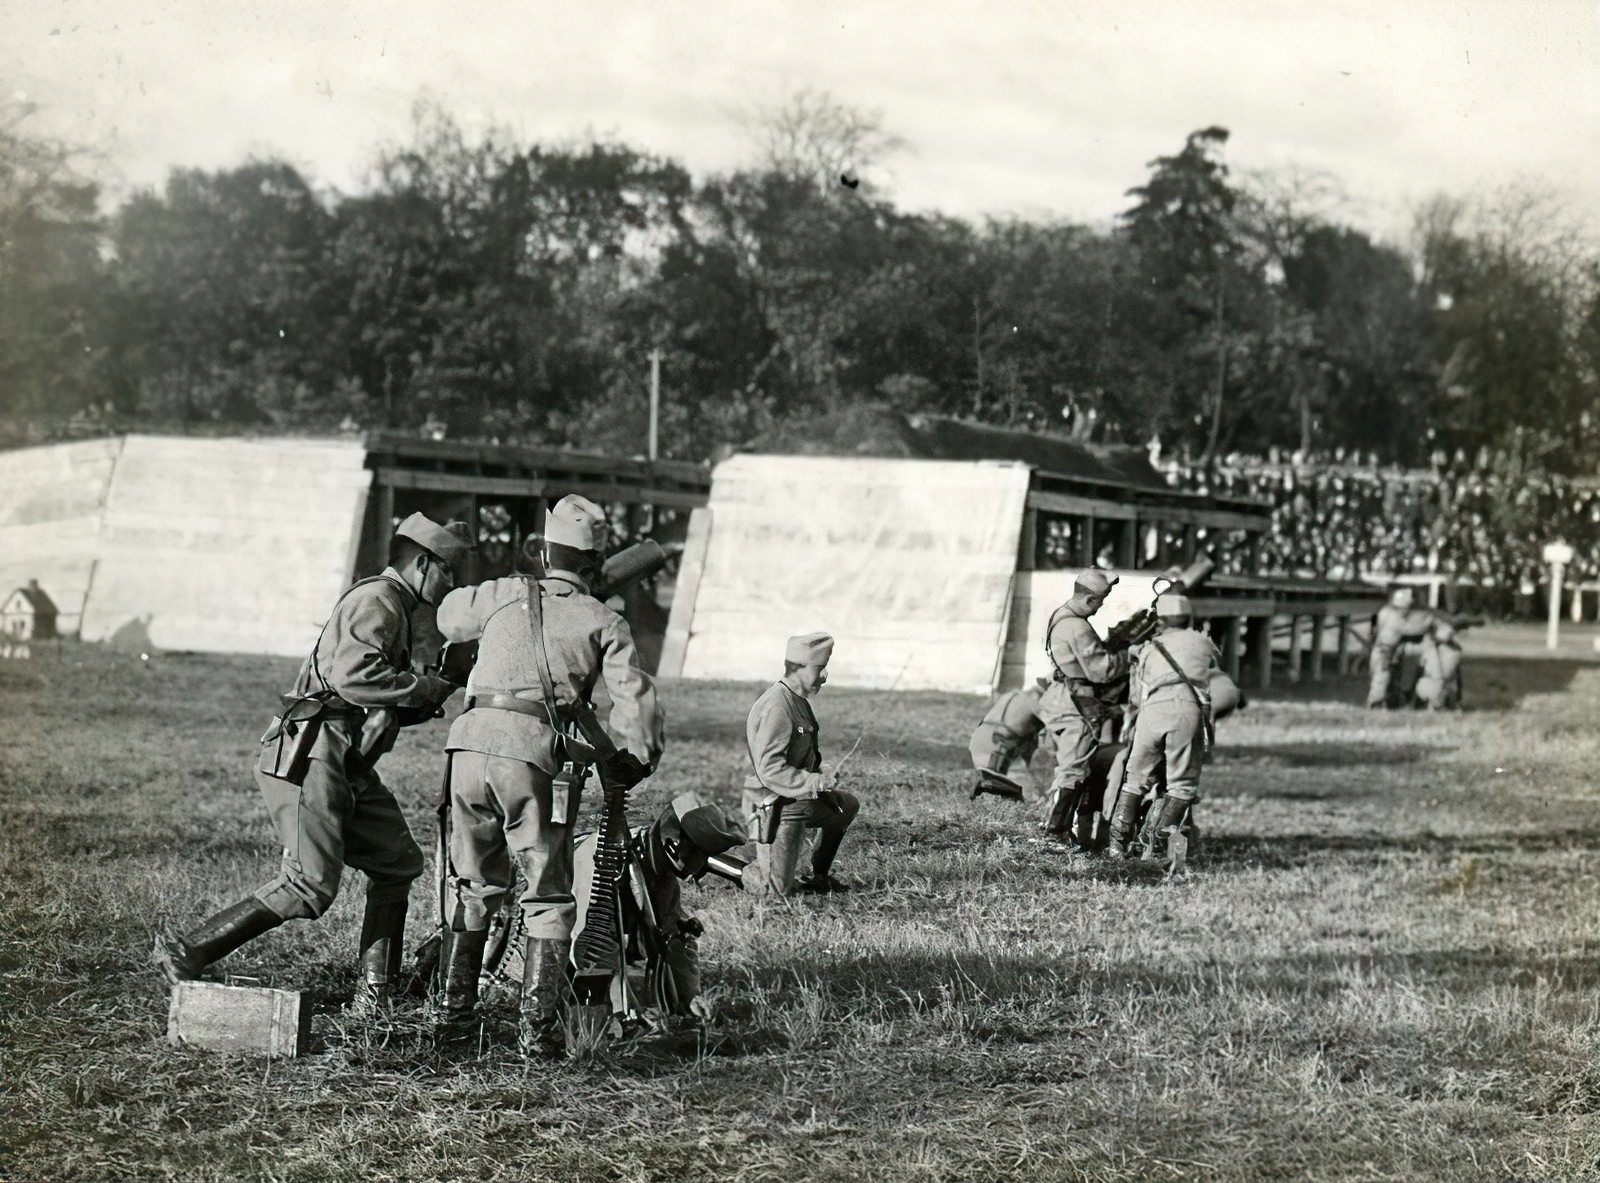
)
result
[(1342, 663), (1230, 646), (1258, 639), (1296, 637), (1317, 623)]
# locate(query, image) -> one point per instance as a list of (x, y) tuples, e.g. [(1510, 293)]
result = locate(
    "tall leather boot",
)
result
[(1166, 812), (544, 973), (1124, 816), (383, 930), (1063, 805), (183, 958), (461, 963)]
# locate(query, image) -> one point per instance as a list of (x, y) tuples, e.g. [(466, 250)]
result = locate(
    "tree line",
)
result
[(485, 288)]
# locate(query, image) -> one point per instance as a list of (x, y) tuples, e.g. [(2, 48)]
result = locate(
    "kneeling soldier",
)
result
[(782, 736), (1172, 688), (514, 783), (1009, 733), (316, 769), (678, 845)]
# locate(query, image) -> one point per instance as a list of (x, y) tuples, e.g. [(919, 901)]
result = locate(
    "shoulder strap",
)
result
[(546, 681), (1049, 631)]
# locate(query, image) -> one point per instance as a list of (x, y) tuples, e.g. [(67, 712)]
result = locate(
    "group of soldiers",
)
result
[(1416, 656), (518, 755), (1131, 725)]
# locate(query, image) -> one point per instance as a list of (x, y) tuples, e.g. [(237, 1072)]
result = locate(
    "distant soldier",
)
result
[(787, 776), (514, 785), (1008, 734), (1072, 708), (1439, 687), (675, 846), (1171, 730), (1397, 642), (316, 767)]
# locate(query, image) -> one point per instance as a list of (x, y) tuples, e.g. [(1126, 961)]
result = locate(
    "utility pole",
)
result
[(655, 398)]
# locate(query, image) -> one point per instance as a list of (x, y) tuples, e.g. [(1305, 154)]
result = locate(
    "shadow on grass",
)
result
[(1501, 683), (1324, 755), (1233, 852)]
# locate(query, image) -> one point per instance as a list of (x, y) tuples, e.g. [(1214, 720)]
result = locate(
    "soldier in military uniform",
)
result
[(1397, 649), (1439, 687), (1171, 688), (1071, 708), (1009, 733), (675, 846), (786, 760), (316, 768), (514, 781)]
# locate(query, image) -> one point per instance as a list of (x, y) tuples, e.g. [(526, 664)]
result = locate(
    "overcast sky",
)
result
[(1046, 107)]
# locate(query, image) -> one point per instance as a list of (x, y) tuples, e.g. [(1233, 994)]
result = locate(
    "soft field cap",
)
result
[(706, 826), (810, 649), (576, 522), (1172, 604), (452, 543), (1094, 583)]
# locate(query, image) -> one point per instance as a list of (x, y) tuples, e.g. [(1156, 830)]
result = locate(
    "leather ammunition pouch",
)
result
[(286, 745)]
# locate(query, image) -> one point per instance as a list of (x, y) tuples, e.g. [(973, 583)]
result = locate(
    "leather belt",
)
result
[(532, 707)]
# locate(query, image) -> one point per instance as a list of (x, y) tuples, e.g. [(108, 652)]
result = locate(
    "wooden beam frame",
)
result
[(546, 487)]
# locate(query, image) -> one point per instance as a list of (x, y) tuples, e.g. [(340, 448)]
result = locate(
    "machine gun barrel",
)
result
[(627, 567)]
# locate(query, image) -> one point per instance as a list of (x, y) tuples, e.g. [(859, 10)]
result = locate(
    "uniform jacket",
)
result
[(1013, 722), (1395, 624), (586, 642), (364, 656), (1157, 681), (1077, 650), (782, 734)]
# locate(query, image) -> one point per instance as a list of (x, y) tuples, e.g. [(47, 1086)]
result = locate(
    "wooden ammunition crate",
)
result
[(251, 1020)]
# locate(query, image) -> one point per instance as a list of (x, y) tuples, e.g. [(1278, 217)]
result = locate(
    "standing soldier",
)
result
[(316, 769), (1009, 733), (1172, 689), (787, 778), (515, 773), (1072, 708)]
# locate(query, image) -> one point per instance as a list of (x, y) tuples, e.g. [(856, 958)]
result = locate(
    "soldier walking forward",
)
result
[(1071, 708), (1172, 691), (787, 774), (316, 768), (514, 783)]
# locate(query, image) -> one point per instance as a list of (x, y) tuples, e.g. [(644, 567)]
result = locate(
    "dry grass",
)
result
[(1385, 969)]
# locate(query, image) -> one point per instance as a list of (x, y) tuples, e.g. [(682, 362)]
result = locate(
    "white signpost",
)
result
[(1558, 555)]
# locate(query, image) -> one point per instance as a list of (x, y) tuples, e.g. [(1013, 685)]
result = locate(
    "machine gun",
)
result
[(620, 572)]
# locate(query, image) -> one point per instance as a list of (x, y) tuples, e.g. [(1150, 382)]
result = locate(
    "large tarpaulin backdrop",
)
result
[(908, 563), (222, 545)]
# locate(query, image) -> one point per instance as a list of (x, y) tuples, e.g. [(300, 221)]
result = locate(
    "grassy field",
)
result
[(1385, 968)]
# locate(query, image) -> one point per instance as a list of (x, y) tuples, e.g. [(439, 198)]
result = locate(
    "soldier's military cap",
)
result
[(809, 649), (451, 544), (576, 522), (1173, 604), (707, 826), (1094, 583)]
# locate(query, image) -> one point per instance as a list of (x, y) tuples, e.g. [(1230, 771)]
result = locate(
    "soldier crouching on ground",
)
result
[(677, 845), (1171, 730), (1008, 734), (787, 760), (1398, 637), (514, 783), (316, 769), (1071, 708)]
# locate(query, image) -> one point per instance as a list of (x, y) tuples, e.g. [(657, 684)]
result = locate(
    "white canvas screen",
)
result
[(908, 563), (51, 500), (233, 546)]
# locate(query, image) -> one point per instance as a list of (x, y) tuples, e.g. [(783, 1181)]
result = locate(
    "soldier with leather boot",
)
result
[(316, 769), (1009, 733), (1171, 734), (1071, 708), (518, 762), (787, 777)]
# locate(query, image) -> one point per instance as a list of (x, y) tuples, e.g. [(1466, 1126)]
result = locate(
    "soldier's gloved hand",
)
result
[(626, 769)]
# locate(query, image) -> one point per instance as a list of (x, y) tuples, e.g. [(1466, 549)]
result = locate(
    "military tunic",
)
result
[(343, 814), (1083, 664), (1169, 728), (1009, 733), (502, 761), (786, 758)]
